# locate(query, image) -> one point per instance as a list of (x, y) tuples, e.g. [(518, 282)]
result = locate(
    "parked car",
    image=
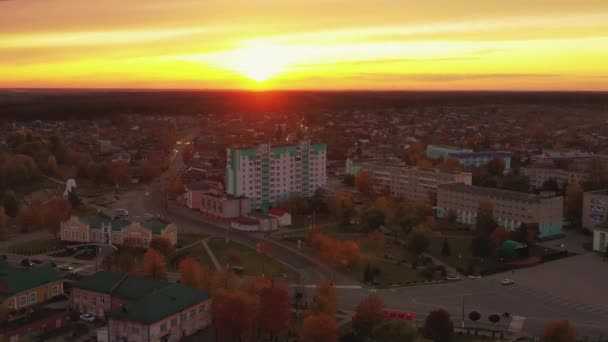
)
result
[(507, 281), (474, 276), (65, 267), (37, 261), (87, 317), (26, 263), (452, 277)]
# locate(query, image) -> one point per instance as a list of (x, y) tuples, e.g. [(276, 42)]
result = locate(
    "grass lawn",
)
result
[(185, 239), (460, 253), (39, 246), (196, 251), (252, 262)]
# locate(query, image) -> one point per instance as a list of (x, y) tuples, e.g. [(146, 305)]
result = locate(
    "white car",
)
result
[(474, 276), (507, 282), (147, 193), (452, 277), (87, 317), (65, 267)]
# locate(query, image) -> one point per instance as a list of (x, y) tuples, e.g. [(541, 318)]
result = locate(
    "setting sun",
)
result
[(258, 63)]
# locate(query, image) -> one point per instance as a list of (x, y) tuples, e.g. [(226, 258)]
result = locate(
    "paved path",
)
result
[(211, 255)]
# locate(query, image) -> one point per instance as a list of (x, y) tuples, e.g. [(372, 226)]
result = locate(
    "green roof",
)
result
[(14, 280), (98, 219), (160, 304), (155, 225), (120, 285)]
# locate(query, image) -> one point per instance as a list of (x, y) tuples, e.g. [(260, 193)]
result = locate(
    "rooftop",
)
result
[(98, 219), (121, 285), (156, 225), (490, 192), (14, 280), (160, 304)]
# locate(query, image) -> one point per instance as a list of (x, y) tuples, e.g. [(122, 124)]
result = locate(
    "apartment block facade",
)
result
[(268, 173), (466, 157), (510, 208), (539, 175), (413, 183)]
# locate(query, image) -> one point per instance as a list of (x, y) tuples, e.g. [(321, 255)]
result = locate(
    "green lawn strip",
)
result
[(185, 239), (197, 251), (39, 246), (253, 262), (460, 252)]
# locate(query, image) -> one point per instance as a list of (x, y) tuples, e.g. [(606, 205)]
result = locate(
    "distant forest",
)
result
[(63, 104)]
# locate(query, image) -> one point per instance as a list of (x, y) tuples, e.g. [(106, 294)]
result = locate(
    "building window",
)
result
[(163, 327), (32, 297), (192, 314), (174, 322), (23, 301), (93, 301), (55, 290), (184, 316), (102, 299)]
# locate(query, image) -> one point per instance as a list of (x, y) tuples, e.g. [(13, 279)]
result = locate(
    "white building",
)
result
[(267, 173), (539, 175)]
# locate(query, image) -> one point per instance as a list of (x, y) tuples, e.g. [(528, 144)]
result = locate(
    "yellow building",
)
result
[(102, 228), (22, 288)]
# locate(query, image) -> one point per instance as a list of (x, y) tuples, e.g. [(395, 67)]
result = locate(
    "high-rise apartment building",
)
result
[(268, 173)]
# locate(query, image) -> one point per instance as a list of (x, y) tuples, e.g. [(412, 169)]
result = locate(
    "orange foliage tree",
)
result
[(119, 173), (56, 211), (275, 313), (364, 182), (192, 273), (558, 331), (254, 285), (31, 218), (340, 252), (319, 328), (233, 315), (154, 264), (369, 313), (163, 245), (501, 235), (326, 298), (223, 280)]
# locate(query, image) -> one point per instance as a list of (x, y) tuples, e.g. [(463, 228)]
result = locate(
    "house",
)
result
[(196, 190), (24, 288), (600, 238), (224, 206), (595, 206), (142, 309), (37, 323), (283, 216), (103, 228)]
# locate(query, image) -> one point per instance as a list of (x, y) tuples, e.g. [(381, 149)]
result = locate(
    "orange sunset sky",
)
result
[(305, 44)]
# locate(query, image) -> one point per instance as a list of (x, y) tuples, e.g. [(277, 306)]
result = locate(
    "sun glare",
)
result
[(258, 63)]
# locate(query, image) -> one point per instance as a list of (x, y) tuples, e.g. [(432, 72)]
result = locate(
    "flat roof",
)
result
[(491, 192)]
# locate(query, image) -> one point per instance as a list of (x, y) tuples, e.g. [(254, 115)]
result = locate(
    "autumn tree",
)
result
[(558, 331), (151, 168), (395, 331), (319, 327), (438, 326), (176, 187), (233, 315), (31, 218), (573, 204), (450, 164), (51, 166), (154, 264), (234, 258), (192, 273), (368, 314), (373, 218), (56, 211), (162, 245), (119, 173), (187, 154), (376, 239), (223, 280), (501, 235), (3, 220), (275, 312), (495, 167), (364, 182), (325, 299), (122, 262), (255, 285), (10, 203)]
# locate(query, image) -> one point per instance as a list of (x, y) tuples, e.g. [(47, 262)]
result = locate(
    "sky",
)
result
[(305, 44)]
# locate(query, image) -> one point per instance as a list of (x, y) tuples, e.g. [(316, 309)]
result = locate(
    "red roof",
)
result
[(401, 315), (277, 212)]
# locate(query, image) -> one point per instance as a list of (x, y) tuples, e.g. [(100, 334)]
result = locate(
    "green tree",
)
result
[(573, 204), (418, 243), (445, 248), (438, 326), (482, 246), (394, 331), (485, 223)]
